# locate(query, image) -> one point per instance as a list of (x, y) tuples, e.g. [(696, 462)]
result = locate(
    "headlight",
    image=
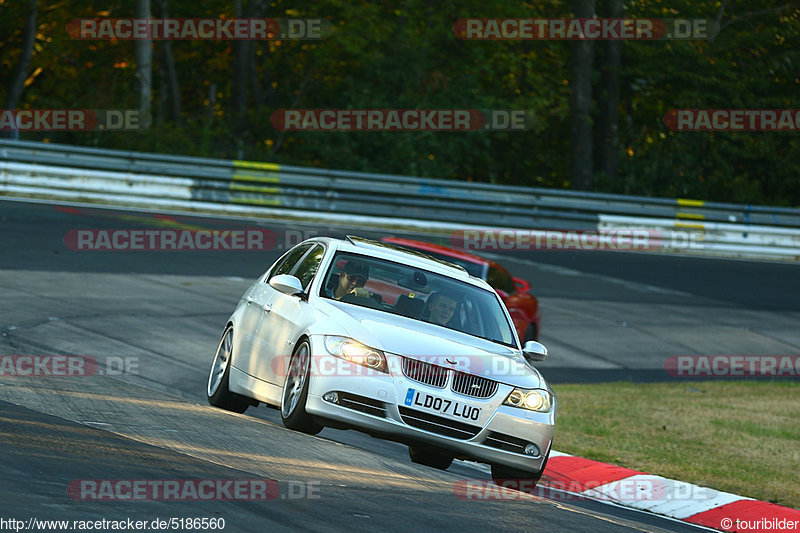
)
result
[(534, 400), (355, 352)]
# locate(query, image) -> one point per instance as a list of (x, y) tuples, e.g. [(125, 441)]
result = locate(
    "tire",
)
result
[(295, 392), (217, 391), (520, 480), (432, 457), (530, 334)]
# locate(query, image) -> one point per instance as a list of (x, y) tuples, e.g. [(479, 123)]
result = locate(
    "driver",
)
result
[(351, 281), (441, 307)]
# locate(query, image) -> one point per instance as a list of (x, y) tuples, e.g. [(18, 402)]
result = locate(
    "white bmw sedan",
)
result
[(364, 335)]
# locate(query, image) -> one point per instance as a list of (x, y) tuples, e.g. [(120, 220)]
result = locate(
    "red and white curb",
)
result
[(675, 499)]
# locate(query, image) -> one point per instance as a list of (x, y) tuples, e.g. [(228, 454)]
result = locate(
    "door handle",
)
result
[(267, 308)]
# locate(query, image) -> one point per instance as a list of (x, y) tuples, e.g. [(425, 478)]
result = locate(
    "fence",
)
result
[(43, 170)]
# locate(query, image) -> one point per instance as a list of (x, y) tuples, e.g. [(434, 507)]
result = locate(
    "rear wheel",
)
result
[(295, 392), (217, 391), (429, 456)]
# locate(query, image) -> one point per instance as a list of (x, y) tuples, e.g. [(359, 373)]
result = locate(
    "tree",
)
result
[(385, 54), (23, 64), (581, 161), (170, 76), (144, 67), (608, 97)]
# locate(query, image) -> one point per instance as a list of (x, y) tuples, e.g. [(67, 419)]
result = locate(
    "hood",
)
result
[(399, 335)]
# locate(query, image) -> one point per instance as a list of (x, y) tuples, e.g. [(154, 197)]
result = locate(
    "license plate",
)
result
[(428, 402)]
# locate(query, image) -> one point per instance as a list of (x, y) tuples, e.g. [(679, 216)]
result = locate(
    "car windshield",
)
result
[(418, 294)]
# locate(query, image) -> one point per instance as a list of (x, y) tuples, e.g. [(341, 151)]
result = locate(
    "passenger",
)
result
[(440, 307), (351, 281)]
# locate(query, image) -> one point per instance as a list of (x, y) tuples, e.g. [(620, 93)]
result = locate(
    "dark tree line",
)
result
[(598, 106)]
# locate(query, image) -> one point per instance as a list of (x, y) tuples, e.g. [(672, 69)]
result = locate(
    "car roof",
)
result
[(391, 252), (440, 249)]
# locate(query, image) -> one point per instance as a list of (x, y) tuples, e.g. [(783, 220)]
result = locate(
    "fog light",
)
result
[(532, 450), (331, 397)]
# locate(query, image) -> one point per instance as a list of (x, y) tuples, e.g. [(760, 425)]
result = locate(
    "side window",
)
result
[(307, 269), (499, 279), (289, 261)]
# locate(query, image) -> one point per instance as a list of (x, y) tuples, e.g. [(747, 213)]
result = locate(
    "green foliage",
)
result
[(386, 54), (751, 64)]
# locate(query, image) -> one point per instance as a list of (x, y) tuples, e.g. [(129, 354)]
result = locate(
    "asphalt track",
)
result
[(605, 316)]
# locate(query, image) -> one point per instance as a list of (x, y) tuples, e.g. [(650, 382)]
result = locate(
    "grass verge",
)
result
[(736, 436)]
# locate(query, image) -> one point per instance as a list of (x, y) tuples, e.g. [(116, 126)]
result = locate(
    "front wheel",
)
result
[(295, 392), (432, 457), (217, 391), (520, 480)]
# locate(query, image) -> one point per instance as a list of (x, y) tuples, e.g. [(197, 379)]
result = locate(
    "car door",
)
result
[(258, 304), (287, 317), (247, 326)]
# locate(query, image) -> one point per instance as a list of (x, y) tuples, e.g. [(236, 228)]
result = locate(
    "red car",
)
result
[(522, 305)]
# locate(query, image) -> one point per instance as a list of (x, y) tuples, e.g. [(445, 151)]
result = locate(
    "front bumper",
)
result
[(375, 403)]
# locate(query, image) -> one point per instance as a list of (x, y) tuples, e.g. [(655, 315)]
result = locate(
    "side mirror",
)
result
[(534, 351), (286, 284)]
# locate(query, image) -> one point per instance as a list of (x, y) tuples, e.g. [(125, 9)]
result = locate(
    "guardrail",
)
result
[(147, 179)]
